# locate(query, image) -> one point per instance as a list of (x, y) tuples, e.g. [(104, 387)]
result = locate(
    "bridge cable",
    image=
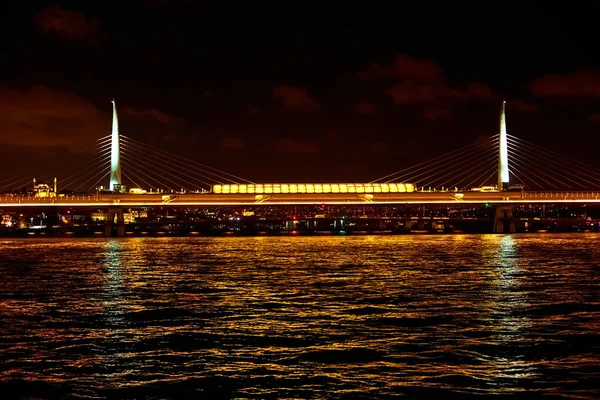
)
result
[(91, 165), (158, 185), (157, 172), (466, 169), (87, 164), (104, 138), (150, 185), (526, 177), (494, 172), (181, 164), (202, 166), (492, 167), (163, 171), (173, 166), (168, 166), (468, 155), (127, 177), (17, 182), (510, 171), (435, 160), (93, 176), (432, 172), (535, 174), (73, 179), (8, 179), (485, 167), (562, 170), (95, 185), (455, 168), (441, 163), (517, 160), (516, 164), (562, 161), (544, 168), (592, 169)]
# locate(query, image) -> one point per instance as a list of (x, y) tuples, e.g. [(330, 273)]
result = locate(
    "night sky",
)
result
[(294, 91)]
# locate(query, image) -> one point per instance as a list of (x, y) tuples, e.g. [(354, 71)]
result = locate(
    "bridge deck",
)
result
[(185, 199)]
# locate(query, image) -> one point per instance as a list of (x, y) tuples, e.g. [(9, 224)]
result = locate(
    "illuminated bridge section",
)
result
[(285, 188)]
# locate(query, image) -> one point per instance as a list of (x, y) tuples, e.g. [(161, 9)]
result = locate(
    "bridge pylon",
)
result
[(503, 178), (114, 218), (115, 155), (504, 221)]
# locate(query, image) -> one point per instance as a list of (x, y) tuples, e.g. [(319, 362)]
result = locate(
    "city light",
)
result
[(275, 188)]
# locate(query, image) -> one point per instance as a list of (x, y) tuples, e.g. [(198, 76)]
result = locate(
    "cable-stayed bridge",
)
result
[(500, 169), (503, 170)]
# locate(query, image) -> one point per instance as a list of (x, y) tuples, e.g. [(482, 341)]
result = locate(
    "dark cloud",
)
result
[(421, 81), (364, 106), (293, 146), (153, 113), (172, 137), (229, 142), (295, 98), (522, 105), (478, 90), (435, 113), (44, 117), (411, 92), (379, 146), (67, 24), (582, 83), (253, 111), (595, 117), (406, 67), (180, 68)]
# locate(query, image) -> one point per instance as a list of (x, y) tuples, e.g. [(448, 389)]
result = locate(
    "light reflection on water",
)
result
[(369, 316)]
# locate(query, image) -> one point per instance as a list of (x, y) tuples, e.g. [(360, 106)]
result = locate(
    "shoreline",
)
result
[(159, 234)]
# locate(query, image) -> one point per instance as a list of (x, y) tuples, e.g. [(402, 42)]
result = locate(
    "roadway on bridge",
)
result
[(211, 199)]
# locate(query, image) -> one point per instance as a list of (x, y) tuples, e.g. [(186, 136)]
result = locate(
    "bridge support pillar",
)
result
[(115, 217), (504, 221)]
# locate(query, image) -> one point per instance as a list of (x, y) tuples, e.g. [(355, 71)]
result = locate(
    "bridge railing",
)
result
[(13, 198), (562, 195)]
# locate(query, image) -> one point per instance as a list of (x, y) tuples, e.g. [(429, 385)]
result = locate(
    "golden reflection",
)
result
[(113, 301), (370, 312), (507, 309), (112, 263)]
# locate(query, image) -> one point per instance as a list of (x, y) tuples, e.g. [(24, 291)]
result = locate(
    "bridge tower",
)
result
[(115, 218), (115, 157), (503, 152), (503, 220)]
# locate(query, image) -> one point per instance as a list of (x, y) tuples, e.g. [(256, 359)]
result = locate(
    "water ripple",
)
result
[(301, 317)]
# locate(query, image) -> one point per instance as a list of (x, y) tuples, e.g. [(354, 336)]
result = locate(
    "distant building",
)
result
[(7, 220), (128, 217), (44, 190)]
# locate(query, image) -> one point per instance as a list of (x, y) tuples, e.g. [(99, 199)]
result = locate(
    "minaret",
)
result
[(115, 158), (55, 191), (503, 152), (34, 183)]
